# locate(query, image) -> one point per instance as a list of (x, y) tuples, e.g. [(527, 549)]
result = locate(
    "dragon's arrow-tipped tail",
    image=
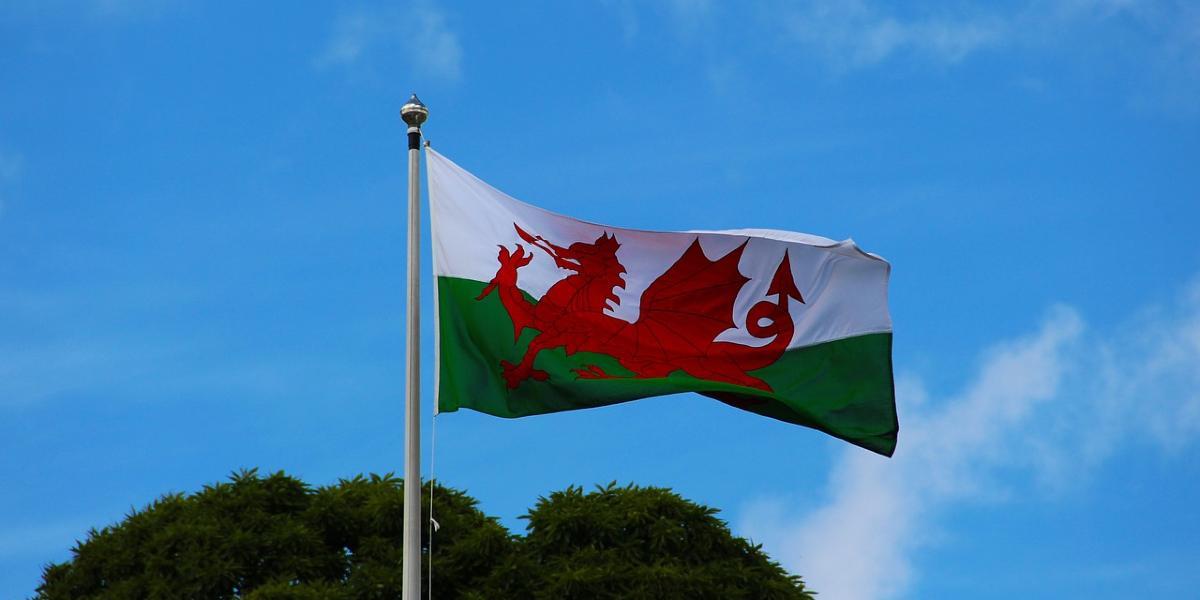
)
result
[(768, 319), (783, 283)]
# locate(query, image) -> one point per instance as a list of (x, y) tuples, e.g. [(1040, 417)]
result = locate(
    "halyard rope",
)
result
[(433, 524)]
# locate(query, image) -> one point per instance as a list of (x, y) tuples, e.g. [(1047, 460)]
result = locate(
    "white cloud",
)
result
[(1046, 407), (855, 33), (1174, 76), (419, 33), (688, 17), (862, 33), (352, 33), (435, 45), (1159, 60)]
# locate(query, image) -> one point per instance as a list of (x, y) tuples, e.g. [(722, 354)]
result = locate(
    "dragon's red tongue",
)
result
[(525, 235)]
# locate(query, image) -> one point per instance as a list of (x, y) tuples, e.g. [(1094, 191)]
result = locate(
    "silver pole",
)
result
[(414, 113)]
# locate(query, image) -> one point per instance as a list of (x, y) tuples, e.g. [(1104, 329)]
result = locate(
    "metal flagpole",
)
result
[(414, 113)]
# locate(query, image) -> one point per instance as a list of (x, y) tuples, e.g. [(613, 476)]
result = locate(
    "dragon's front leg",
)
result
[(519, 308)]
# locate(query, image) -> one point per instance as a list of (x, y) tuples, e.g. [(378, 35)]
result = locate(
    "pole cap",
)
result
[(414, 112)]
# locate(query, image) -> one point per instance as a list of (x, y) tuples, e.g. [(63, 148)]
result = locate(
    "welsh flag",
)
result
[(539, 313)]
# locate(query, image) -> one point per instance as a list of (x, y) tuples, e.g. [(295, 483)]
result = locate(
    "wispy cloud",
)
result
[(420, 32), (352, 34), (863, 33), (855, 33), (688, 17), (1048, 406), (1175, 65)]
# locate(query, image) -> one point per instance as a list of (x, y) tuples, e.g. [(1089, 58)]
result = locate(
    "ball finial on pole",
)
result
[(414, 112)]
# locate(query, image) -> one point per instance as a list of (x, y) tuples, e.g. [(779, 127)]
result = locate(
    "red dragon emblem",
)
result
[(682, 313)]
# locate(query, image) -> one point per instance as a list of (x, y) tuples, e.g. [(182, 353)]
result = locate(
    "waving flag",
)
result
[(538, 313)]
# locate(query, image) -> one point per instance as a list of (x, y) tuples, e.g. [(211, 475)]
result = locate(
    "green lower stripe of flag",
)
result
[(843, 387)]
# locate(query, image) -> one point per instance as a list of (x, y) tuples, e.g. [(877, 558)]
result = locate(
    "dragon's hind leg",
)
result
[(592, 372), (638, 370), (514, 374)]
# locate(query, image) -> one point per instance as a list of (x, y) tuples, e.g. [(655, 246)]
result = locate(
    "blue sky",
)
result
[(202, 253)]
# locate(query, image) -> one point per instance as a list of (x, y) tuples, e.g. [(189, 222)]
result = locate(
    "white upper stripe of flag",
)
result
[(844, 288)]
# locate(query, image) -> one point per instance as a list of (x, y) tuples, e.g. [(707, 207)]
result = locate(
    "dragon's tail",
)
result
[(779, 325)]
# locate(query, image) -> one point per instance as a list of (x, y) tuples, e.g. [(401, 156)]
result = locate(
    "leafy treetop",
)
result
[(275, 537)]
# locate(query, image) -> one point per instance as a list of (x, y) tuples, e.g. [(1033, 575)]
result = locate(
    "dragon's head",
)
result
[(607, 244), (601, 254)]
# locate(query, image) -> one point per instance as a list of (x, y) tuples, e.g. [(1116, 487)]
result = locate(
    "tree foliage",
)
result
[(642, 543), (274, 537)]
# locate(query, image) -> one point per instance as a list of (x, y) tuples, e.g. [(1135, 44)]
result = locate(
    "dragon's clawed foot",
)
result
[(506, 275), (514, 374), (591, 372)]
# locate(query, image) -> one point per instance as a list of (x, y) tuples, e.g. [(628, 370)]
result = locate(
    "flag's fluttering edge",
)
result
[(538, 313)]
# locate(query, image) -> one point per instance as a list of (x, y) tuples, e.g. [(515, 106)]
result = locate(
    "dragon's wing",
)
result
[(692, 302)]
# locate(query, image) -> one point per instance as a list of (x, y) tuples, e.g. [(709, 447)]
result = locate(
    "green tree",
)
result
[(637, 543), (276, 538)]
